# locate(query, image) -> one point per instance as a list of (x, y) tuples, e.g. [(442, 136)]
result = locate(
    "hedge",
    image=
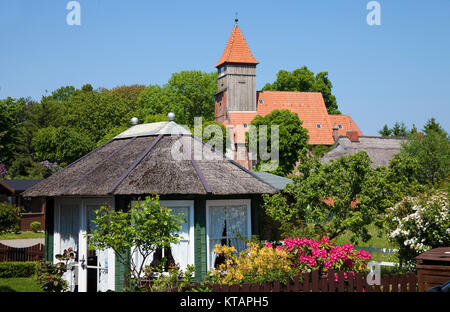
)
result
[(17, 269)]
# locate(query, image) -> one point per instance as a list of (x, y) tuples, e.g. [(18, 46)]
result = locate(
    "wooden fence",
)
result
[(312, 282), (32, 253)]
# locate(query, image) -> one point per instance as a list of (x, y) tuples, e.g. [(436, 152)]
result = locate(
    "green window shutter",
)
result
[(200, 239), (49, 228)]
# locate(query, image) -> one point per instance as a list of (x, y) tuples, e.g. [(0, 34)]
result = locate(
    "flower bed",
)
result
[(293, 257)]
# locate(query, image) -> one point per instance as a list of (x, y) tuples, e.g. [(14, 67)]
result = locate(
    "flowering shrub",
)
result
[(309, 255), (420, 224), (294, 256), (254, 265)]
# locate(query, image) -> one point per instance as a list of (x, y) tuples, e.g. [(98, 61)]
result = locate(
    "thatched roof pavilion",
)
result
[(139, 161), (216, 195)]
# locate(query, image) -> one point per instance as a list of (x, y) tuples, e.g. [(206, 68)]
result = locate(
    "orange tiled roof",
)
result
[(310, 108), (237, 50), (346, 122)]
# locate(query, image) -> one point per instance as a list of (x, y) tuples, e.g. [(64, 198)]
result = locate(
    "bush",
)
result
[(254, 265), (9, 218), (35, 226), (419, 224), (49, 276), (297, 255), (17, 269)]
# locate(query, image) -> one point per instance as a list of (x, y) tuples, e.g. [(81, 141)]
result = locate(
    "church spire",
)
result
[(237, 50)]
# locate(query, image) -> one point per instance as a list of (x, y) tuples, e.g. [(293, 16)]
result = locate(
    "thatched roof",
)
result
[(161, 158), (380, 149)]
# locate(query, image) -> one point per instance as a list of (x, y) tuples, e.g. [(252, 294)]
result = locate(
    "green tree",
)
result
[(188, 94), (11, 117), (9, 218), (291, 144), (147, 226), (398, 130), (62, 145), (433, 126), (304, 80), (432, 153), (327, 199)]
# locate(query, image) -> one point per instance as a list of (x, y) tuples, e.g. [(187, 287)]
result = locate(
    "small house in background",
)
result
[(216, 195), (380, 149), (32, 209)]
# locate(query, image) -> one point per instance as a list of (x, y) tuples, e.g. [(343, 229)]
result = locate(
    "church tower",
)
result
[(236, 81)]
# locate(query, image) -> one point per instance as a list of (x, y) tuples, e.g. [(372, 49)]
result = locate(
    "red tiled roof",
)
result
[(310, 108), (346, 122), (237, 50)]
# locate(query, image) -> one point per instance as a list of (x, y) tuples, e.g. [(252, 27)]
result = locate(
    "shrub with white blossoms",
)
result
[(420, 224)]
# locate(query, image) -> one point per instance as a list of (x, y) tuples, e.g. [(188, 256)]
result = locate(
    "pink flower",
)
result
[(268, 245)]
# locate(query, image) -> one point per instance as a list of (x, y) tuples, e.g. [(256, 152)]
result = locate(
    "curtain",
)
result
[(217, 225), (237, 221), (223, 221), (180, 251), (69, 229)]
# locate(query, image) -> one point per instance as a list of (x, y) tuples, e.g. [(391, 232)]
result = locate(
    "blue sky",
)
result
[(398, 71)]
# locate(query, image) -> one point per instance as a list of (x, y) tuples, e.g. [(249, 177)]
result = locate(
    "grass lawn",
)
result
[(19, 284), (376, 241), (21, 235)]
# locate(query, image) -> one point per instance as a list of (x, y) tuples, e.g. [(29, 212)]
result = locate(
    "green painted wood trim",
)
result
[(49, 228), (121, 269), (200, 251), (255, 213)]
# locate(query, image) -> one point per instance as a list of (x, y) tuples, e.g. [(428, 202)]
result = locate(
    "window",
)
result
[(261, 102), (183, 252), (245, 125), (226, 218), (340, 126), (319, 126)]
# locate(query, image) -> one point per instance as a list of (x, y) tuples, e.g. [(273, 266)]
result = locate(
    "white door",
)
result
[(99, 263), (66, 236), (223, 219)]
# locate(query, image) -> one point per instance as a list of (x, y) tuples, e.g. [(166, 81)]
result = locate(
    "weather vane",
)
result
[(236, 20)]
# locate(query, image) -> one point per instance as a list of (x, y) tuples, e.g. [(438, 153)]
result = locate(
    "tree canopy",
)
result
[(69, 122), (304, 80), (291, 142)]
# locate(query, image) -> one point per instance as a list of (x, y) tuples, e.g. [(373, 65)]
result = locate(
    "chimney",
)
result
[(335, 132), (353, 136)]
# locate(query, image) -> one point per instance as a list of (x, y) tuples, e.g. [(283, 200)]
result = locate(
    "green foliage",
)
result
[(291, 143), (174, 279), (62, 145), (9, 218), (17, 269), (327, 199), (320, 150), (188, 94), (146, 226), (431, 153), (11, 116), (398, 130), (420, 223), (303, 80), (49, 276), (215, 134), (35, 226)]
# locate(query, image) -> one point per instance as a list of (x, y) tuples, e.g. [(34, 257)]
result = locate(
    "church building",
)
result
[(237, 102)]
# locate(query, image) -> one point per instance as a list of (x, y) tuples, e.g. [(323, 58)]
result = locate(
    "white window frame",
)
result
[(226, 202), (183, 203)]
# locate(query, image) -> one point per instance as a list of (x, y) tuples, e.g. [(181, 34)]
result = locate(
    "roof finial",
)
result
[(236, 20)]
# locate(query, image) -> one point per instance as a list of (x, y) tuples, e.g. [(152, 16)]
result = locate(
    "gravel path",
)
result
[(22, 243)]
